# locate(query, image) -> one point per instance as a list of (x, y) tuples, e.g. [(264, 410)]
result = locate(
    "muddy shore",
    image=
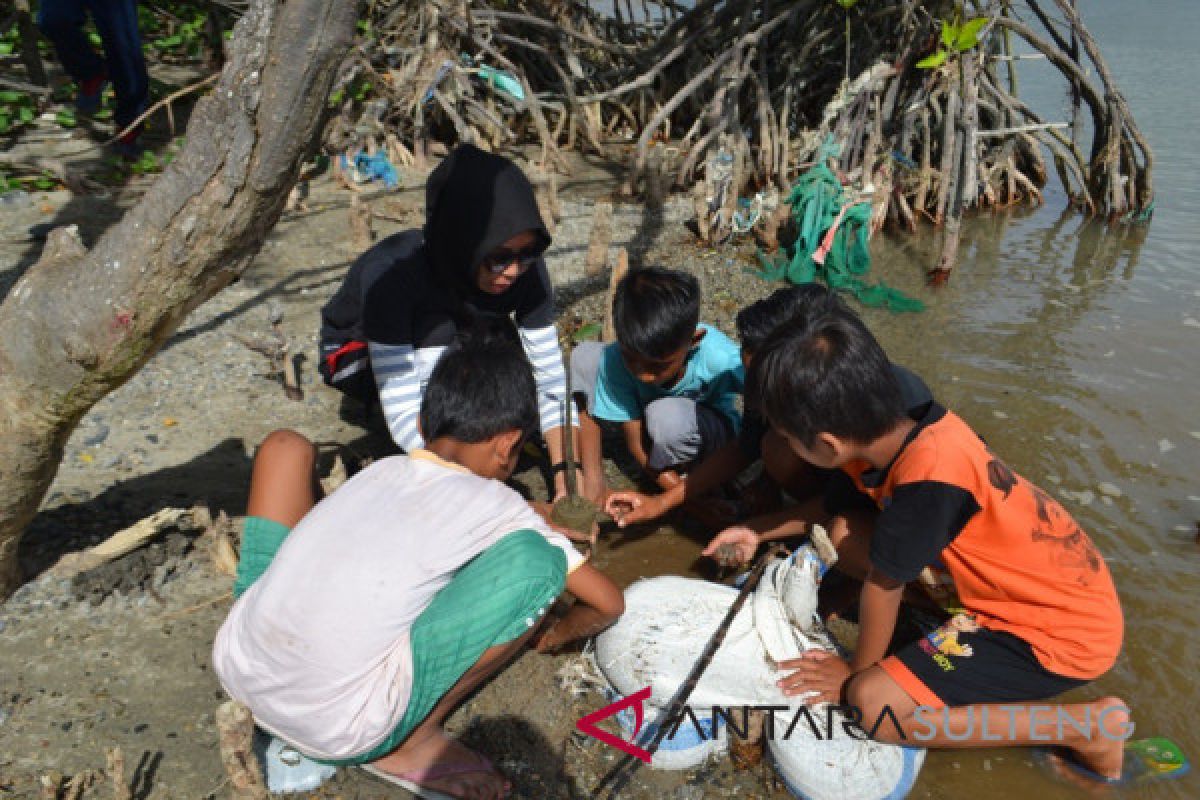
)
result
[(120, 657)]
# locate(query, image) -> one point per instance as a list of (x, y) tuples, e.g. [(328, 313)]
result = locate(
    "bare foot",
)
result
[(438, 751), (1104, 754)]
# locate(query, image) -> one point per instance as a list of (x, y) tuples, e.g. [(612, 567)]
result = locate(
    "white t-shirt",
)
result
[(318, 648)]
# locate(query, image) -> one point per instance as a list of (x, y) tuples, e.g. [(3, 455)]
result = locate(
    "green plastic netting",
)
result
[(818, 200)]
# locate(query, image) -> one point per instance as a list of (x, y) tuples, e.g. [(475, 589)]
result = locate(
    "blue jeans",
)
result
[(117, 21)]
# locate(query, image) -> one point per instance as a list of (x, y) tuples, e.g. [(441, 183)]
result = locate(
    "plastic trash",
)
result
[(502, 81), (667, 623), (365, 168)]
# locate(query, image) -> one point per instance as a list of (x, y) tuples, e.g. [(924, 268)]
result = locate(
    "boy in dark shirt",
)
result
[(1035, 611)]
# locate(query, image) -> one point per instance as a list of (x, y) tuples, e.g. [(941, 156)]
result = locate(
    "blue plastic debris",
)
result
[(904, 160), (502, 81), (367, 168)]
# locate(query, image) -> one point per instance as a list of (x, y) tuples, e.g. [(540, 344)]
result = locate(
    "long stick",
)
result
[(615, 780)]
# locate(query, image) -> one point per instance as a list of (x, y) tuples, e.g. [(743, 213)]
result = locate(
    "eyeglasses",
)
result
[(500, 260)]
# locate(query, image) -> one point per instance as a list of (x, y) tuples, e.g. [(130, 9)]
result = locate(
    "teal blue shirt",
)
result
[(713, 376)]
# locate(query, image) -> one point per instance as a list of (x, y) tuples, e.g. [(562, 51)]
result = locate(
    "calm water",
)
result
[(1072, 349)]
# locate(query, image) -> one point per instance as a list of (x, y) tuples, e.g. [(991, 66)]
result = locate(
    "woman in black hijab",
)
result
[(478, 256)]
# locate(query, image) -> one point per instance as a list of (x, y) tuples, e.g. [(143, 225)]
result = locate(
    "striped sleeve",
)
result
[(541, 346), (401, 372)]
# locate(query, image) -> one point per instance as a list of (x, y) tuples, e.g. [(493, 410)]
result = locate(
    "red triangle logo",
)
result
[(588, 724)]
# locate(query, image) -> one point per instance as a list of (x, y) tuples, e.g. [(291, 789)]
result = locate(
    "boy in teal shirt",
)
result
[(670, 382)]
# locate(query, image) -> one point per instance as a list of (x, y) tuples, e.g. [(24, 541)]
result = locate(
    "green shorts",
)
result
[(492, 599)]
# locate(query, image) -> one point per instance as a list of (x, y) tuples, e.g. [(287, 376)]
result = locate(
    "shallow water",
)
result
[(1071, 347)]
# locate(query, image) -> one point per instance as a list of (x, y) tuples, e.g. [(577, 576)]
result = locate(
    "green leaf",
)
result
[(934, 61), (65, 118), (25, 114), (43, 183), (590, 331), (847, 4), (949, 33), (147, 163), (6, 48), (8, 96), (95, 39), (336, 97), (4, 123), (968, 36)]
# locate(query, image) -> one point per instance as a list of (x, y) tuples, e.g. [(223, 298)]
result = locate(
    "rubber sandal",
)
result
[(288, 770), (1145, 760), (412, 780)]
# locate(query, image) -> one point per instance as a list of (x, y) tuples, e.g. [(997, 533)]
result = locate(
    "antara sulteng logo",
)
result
[(827, 722)]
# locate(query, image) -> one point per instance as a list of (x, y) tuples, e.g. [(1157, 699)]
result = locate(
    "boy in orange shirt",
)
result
[(1034, 609)]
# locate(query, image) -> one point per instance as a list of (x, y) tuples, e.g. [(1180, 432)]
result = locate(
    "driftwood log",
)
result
[(124, 541), (79, 323)]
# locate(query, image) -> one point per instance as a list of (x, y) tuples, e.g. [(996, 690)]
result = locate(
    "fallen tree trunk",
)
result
[(79, 324)]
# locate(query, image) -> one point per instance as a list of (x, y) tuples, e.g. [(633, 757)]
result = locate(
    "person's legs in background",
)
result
[(62, 23), (117, 22), (123, 64)]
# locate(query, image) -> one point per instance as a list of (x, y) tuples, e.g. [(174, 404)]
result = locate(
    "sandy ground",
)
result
[(122, 658)]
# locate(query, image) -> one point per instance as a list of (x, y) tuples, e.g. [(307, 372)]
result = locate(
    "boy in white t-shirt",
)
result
[(363, 621)]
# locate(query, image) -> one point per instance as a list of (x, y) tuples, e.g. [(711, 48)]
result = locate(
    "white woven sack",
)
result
[(666, 624)]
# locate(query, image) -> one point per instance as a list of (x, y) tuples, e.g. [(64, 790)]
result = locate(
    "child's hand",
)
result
[(588, 538), (629, 508), (741, 539), (542, 508), (546, 512), (818, 674)]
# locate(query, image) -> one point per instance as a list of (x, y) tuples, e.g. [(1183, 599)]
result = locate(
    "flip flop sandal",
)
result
[(414, 780), (1145, 760)]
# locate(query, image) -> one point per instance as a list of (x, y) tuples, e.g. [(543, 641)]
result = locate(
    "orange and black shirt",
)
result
[(987, 541)]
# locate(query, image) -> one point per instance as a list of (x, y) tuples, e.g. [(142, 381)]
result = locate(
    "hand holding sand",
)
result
[(733, 546)]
